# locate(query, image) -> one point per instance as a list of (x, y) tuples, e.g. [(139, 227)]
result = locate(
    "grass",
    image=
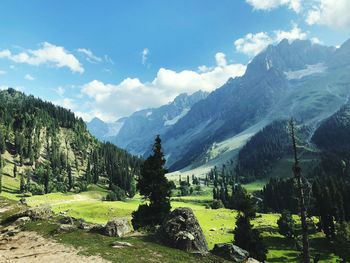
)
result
[(255, 186), (145, 248), (217, 224)]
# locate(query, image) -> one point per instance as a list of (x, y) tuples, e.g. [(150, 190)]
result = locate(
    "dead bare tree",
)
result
[(301, 197)]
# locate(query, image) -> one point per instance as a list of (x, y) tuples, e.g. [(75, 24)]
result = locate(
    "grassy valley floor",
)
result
[(217, 225)]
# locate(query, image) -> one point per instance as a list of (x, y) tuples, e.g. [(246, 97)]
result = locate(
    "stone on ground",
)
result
[(181, 230), (230, 252), (117, 227)]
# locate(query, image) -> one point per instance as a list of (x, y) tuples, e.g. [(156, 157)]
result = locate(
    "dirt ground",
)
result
[(29, 247)]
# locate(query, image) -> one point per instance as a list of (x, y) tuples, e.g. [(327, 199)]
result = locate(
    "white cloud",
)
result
[(253, 44), (91, 57), (294, 34), (5, 53), (295, 5), (60, 91), (2, 72), (47, 54), (220, 59), (66, 103), (331, 13), (144, 53), (112, 101), (108, 59), (316, 40), (29, 77)]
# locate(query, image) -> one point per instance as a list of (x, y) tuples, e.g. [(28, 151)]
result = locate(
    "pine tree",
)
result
[(154, 186), (47, 180), (2, 143), (15, 170), (249, 239), (70, 178), (286, 224), (302, 207), (0, 173), (22, 184), (88, 173)]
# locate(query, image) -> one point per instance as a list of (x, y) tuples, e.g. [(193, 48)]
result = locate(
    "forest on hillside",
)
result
[(51, 150)]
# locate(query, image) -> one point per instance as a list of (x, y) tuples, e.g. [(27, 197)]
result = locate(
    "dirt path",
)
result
[(28, 247)]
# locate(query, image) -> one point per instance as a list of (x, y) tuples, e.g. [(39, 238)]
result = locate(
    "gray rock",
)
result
[(252, 260), (39, 213), (66, 228), (117, 227), (22, 221), (181, 230), (67, 220), (120, 244), (230, 252), (96, 228), (35, 213)]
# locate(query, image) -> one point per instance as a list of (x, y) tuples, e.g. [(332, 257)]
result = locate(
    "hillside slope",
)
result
[(297, 79), (48, 149)]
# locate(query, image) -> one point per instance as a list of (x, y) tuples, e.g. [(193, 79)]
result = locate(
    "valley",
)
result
[(217, 225)]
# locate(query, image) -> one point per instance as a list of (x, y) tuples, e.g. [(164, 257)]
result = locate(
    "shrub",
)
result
[(286, 224), (216, 204), (37, 189), (117, 194)]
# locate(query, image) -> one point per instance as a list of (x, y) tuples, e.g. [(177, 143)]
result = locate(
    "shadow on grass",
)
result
[(279, 243), (9, 190)]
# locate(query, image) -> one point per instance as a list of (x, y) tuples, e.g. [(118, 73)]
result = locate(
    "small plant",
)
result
[(286, 224), (217, 204)]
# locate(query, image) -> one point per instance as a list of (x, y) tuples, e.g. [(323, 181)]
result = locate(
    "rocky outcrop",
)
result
[(66, 228), (181, 230), (117, 227), (230, 252), (22, 221), (34, 213)]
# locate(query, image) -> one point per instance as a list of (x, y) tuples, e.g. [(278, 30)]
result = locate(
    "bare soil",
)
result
[(30, 247)]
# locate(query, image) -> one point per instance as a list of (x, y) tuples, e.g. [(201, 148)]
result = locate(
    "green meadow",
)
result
[(217, 224)]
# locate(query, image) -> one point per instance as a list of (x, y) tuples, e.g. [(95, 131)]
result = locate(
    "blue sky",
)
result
[(110, 58)]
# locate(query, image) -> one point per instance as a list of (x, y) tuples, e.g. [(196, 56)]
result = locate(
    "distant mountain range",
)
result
[(307, 81), (136, 133)]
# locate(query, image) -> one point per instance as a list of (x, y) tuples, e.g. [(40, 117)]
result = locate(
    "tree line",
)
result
[(53, 151)]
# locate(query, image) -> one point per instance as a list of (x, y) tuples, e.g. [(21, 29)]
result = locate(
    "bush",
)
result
[(286, 224), (216, 204), (249, 239), (143, 217), (37, 189), (117, 194)]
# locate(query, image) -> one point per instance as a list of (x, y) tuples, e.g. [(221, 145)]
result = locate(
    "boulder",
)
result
[(86, 226), (67, 220), (230, 252), (35, 213), (252, 260), (66, 228), (120, 244), (21, 221), (181, 230), (39, 213), (117, 227)]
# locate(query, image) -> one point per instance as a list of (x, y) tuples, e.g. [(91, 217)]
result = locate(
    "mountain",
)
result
[(136, 133), (298, 79), (104, 131), (52, 149), (333, 135), (282, 81)]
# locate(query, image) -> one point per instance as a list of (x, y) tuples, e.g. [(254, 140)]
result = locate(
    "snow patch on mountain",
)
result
[(309, 70), (177, 118)]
